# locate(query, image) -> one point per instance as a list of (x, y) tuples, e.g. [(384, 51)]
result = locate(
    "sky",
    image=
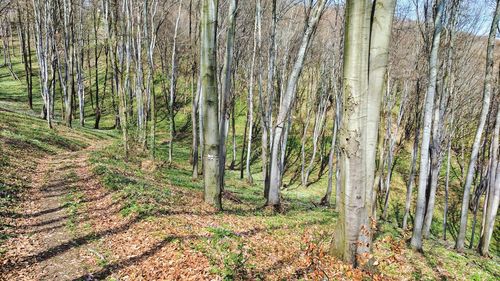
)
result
[(475, 15)]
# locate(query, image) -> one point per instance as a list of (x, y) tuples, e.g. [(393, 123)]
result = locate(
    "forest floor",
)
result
[(49, 236), (72, 208), (84, 213)]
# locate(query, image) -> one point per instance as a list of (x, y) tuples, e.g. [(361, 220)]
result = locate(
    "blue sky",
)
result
[(476, 15)]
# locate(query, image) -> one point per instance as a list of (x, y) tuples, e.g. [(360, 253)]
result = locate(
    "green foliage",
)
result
[(227, 253), (138, 195), (73, 204)]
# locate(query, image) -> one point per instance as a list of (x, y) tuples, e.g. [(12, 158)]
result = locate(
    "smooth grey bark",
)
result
[(212, 192), (336, 123), (392, 142), (255, 53), (43, 34), (493, 198), (173, 85), (279, 135), (226, 86), (366, 46), (348, 241), (487, 90), (416, 239), (380, 37)]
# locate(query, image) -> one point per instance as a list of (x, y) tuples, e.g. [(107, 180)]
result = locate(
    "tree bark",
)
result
[(173, 85), (226, 88), (365, 67), (279, 138), (416, 239), (487, 89), (210, 102)]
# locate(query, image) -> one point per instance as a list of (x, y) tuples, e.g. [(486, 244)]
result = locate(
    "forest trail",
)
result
[(49, 243)]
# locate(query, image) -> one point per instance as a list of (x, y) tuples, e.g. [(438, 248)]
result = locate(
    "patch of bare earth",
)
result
[(52, 226)]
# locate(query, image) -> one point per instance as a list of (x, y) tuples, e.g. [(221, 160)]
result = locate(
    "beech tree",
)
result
[(416, 240), (366, 43), (210, 103), (279, 137), (487, 90)]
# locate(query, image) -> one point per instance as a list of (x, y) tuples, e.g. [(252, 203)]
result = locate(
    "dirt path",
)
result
[(51, 226)]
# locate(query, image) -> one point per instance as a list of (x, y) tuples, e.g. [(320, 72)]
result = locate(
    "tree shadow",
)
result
[(64, 247), (107, 270), (66, 217)]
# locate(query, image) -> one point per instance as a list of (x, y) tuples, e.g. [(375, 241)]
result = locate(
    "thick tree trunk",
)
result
[(488, 81), (353, 231), (359, 130)]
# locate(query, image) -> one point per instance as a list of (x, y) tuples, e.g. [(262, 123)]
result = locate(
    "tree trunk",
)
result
[(279, 139), (173, 86), (210, 102), (416, 239), (226, 88), (488, 80), (359, 130), (493, 197), (255, 53)]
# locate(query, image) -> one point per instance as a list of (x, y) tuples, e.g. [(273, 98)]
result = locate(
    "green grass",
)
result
[(25, 138)]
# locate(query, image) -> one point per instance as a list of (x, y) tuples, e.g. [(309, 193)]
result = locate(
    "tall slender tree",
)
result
[(487, 90), (416, 239), (210, 102), (280, 131)]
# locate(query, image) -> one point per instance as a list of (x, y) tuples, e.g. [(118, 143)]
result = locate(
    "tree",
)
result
[(279, 137), (487, 89), (226, 88), (493, 193), (173, 85), (416, 239), (366, 45), (210, 102), (43, 34)]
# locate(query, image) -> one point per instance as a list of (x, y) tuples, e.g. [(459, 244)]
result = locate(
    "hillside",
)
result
[(71, 206)]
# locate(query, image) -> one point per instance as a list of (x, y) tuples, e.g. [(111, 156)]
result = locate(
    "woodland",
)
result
[(249, 140)]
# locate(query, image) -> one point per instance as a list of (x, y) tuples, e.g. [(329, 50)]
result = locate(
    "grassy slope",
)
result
[(25, 139), (153, 192)]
